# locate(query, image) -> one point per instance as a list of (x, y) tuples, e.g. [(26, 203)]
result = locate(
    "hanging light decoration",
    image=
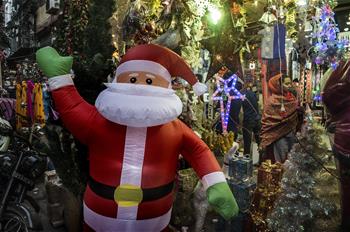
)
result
[(225, 89), (328, 48)]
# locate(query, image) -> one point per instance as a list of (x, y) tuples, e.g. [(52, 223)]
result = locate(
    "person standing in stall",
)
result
[(279, 121), (251, 119), (336, 97)]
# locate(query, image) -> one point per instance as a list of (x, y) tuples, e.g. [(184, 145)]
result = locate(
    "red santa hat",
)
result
[(160, 61)]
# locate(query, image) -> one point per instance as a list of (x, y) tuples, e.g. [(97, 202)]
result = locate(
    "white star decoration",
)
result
[(225, 89)]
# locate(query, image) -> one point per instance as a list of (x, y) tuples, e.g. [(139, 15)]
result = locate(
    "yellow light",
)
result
[(215, 15)]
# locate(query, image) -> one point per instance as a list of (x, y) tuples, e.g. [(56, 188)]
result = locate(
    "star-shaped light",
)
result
[(226, 89)]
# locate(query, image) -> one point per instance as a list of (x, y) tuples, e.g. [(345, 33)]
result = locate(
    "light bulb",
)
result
[(215, 15), (301, 2)]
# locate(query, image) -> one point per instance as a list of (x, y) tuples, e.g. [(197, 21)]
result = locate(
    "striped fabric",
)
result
[(273, 42)]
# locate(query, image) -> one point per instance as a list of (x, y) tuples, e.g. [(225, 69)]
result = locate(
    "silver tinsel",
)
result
[(298, 206), (201, 206)]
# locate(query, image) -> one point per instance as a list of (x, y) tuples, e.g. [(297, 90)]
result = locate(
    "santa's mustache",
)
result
[(138, 105)]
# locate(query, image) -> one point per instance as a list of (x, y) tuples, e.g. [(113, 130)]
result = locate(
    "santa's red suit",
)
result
[(144, 158)]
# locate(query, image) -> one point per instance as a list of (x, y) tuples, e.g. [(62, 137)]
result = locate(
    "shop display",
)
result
[(298, 185), (131, 123), (144, 109), (266, 193)]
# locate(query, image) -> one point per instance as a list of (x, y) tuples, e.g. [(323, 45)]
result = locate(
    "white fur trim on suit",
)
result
[(143, 66), (134, 152), (213, 178), (60, 81), (199, 88), (101, 223)]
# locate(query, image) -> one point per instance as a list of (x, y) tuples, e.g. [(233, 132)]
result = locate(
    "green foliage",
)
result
[(70, 35), (98, 36), (84, 32)]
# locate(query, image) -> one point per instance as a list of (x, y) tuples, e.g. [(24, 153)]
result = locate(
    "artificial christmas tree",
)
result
[(298, 206)]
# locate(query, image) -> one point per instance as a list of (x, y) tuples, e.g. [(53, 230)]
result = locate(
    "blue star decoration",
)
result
[(225, 89)]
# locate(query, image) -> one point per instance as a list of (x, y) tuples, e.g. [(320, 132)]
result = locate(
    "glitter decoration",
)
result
[(298, 204)]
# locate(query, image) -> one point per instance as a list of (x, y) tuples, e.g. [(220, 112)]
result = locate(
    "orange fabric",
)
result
[(106, 141)]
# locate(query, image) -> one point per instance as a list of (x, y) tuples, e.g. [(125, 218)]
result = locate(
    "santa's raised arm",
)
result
[(134, 140)]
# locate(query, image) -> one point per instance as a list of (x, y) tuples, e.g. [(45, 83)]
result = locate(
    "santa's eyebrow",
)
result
[(150, 76), (133, 75)]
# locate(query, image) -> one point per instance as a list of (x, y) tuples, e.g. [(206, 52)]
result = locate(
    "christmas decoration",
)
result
[(267, 190), (133, 113), (243, 192), (219, 143), (240, 168), (328, 49), (226, 91), (297, 206), (183, 215), (70, 37), (84, 32)]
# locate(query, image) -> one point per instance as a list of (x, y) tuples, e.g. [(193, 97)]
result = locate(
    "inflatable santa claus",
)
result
[(134, 140)]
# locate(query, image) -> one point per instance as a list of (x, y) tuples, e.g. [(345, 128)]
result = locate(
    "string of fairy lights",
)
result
[(226, 90)]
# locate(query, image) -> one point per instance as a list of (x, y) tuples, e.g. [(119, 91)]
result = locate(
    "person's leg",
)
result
[(291, 140), (280, 150), (247, 137), (256, 131), (283, 146), (343, 167)]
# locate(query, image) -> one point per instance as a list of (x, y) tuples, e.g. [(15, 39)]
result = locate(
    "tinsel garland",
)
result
[(298, 206)]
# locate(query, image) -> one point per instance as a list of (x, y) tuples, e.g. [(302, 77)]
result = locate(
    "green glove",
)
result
[(52, 64), (222, 200)]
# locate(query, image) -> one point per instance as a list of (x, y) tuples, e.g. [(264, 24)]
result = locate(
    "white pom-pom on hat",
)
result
[(199, 88)]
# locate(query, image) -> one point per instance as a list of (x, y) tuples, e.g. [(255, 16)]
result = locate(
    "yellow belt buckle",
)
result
[(127, 195)]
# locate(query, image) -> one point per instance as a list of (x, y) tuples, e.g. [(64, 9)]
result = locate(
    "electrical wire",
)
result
[(317, 160), (280, 61)]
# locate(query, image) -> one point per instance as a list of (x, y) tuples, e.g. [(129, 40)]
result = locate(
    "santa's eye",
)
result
[(149, 81), (133, 79)]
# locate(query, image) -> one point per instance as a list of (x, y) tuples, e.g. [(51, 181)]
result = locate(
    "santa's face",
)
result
[(142, 78), (139, 99)]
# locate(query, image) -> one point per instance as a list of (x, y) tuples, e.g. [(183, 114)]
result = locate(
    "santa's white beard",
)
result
[(138, 105)]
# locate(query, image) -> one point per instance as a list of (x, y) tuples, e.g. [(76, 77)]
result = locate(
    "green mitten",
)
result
[(52, 64), (222, 200)]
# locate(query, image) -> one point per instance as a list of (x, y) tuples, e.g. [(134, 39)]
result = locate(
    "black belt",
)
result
[(149, 194)]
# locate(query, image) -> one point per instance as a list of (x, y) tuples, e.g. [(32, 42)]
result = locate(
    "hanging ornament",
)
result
[(268, 17), (225, 90), (235, 9)]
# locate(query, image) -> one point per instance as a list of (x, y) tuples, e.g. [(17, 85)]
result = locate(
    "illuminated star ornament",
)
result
[(225, 89)]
